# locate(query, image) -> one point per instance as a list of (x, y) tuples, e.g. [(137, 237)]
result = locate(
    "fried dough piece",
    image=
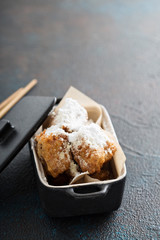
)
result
[(53, 150), (88, 159), (70, 117), (109, 149), (91, 148)]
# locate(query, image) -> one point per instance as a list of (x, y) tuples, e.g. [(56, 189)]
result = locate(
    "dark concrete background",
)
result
[(110, 50)]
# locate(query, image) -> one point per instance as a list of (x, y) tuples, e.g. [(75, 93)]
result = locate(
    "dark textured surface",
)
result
[(110, 50)]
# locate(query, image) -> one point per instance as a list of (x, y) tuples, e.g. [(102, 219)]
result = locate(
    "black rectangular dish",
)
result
[(79, 199)]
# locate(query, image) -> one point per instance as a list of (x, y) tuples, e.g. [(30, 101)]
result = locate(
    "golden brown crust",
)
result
[(90, 159), (54, 152), (110, 149)]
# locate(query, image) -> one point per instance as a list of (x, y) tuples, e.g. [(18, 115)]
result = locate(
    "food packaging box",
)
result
[(88, 197)]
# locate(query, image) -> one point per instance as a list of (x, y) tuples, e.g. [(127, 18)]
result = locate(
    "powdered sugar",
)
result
[(71, 115), (74, 117), (91, 134), (54, 130)]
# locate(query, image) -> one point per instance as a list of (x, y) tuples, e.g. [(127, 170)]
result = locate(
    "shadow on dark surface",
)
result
[(18, 176), (80, 227), (98, 217)]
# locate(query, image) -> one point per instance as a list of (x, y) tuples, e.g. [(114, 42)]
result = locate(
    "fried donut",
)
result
[(71, 116), (53, 149), (91, 147)]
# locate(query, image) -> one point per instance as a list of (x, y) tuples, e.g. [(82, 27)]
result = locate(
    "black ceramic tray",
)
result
[(19, 125), (79, 199)]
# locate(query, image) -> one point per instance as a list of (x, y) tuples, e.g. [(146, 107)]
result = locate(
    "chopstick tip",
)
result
[(35, 80)]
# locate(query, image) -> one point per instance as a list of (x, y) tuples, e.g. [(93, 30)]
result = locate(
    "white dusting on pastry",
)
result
[(92, 135), (54, 130), (71, 115)]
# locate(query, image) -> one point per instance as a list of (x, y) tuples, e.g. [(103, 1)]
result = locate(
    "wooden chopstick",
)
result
[(17, 97), (5, 102)]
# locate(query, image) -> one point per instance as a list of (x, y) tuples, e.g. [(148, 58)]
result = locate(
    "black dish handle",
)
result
[(102, 191)]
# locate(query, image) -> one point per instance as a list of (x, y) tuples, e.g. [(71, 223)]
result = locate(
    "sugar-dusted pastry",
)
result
[(53, 149), (71, 116), (91, 147)]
